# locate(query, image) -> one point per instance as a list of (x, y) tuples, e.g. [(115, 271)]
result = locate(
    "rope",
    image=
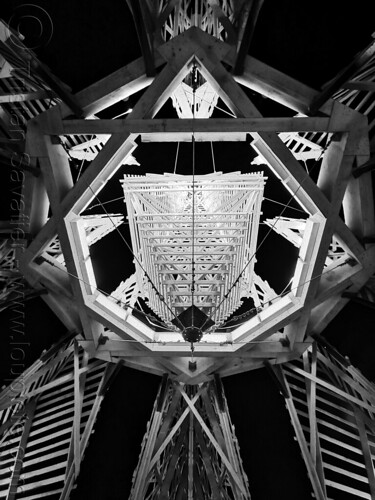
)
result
[(283, 204)]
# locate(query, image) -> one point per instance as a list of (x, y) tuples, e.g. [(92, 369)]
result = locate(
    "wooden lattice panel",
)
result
[(194, 253), (332, 411), (46, 419)]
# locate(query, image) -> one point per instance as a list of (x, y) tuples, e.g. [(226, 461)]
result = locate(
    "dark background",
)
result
[(310, 41)]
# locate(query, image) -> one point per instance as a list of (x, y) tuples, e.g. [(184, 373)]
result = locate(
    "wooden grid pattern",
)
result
[(225, 225), (46, 418), (332, 409)]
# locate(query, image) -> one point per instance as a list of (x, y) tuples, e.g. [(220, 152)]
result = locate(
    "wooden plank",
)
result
[(44, 482), (333, 389), (21, 97), (277, 86), (348, 489), (42, 470), (42, 495), (59, 381), (45, 456), (357, 205), (140, 12)]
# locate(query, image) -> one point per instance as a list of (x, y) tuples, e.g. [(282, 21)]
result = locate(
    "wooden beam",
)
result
[(139, 11), (335, 390), (368, 166), (163, 128), (247, 34), (78, 402), (22, 97)]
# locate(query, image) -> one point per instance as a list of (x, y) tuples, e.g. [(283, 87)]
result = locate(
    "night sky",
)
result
[(310, 41)]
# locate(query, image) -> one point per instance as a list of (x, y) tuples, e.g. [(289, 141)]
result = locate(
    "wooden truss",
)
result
[(46, 418), (332, 410), (189, 450)]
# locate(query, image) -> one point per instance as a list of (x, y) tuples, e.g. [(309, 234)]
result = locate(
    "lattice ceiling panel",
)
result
[(199, 253)]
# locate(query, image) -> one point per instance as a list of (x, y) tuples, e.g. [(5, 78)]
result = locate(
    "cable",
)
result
[(175, 163), (105, 203), (283, 204), (216, 106)]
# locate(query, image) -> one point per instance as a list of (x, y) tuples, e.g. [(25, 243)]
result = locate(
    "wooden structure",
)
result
[(335, 241), (331, 407), (47, 416), (194, 254), (189, 450)]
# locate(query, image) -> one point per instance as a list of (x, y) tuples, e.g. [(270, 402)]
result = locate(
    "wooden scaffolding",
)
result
[(189, 48)]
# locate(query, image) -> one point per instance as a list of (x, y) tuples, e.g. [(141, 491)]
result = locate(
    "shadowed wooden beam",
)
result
[(246, 35), (140, 12), (18, 161), (369, 166), (360, 300)]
